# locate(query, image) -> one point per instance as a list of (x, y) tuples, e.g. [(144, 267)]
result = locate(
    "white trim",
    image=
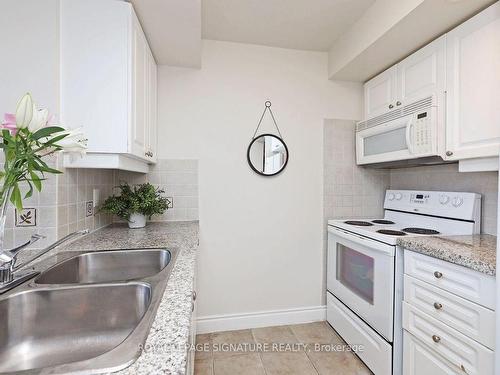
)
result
[(106, 161), (218, 323), (478, 164)]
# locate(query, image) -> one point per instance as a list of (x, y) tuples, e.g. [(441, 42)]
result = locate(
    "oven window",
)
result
[(393, 140), (355, 271)]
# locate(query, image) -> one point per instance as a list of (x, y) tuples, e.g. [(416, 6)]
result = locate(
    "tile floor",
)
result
[(283, 350)]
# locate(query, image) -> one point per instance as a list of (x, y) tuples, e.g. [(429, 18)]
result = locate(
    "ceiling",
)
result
[(296, 24), (173, 30)]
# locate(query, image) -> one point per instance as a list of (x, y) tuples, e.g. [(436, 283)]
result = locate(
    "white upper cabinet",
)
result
[(461, 70), (380, 93), (152, 130), (140, 90), (473, 87), (108, 83), (420, 75)]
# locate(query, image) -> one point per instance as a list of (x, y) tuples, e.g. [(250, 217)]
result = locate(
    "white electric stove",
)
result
[(365, 267)]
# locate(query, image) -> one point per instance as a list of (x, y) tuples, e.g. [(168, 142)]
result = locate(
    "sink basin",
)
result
[(107, 266), (48, 327)]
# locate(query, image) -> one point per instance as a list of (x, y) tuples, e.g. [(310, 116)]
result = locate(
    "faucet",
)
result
[(9, 278)]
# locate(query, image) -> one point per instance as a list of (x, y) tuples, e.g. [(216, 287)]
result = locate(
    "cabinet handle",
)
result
[(449, 153), (438, 306), (391, 106), (398, 103), (438, 274), (194, 295), (436, 338)]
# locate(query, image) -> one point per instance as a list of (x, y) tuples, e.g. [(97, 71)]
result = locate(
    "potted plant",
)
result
[(135, 204)]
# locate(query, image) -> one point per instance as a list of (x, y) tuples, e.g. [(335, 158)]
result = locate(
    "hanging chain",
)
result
[(268, 107)]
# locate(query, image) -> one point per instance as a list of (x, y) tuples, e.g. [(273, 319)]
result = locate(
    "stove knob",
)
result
[(390, 196), (399, 196), (443, 199), (457, 201)]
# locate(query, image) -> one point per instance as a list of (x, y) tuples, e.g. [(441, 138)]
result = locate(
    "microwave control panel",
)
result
[(422, 133)]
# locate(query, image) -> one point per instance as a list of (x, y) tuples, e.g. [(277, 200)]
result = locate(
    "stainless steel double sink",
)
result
[(89, 313)]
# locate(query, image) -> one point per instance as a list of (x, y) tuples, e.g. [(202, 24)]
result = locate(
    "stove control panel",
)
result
[(459, 205)]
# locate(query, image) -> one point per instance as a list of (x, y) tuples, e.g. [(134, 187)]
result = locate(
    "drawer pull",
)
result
[(438, 274), (436, 338), (438, 306)]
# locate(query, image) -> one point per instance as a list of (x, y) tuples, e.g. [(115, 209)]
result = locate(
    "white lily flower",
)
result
[(75, 141), (39, 119), (24, 111)]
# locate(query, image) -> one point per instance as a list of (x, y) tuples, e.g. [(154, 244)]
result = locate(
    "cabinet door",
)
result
[(419, 359), (94, 85), (153, 110), (140, 78), (380, 93), (473, 89), (422, 74)]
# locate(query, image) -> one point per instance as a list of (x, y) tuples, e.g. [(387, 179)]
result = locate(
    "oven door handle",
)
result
[(372, 244)]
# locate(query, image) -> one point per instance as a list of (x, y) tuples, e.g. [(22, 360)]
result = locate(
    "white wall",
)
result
[(261, 238), (29, 52)]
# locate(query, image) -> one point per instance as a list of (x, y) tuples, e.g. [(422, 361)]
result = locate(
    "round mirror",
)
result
[(267, 155)]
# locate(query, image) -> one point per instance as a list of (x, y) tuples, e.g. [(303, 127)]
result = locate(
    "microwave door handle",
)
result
[(409, 136)]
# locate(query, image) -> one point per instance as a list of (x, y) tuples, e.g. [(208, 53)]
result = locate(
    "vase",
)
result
[(137, 220), (4, 201)]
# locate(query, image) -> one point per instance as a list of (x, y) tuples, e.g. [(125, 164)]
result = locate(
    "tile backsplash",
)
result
[(60, 206), (349, 190), (353, 191), (75, 191), (446, 177), (179, 179)]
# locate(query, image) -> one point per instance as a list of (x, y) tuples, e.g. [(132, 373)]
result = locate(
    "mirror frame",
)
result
[(262, 173)]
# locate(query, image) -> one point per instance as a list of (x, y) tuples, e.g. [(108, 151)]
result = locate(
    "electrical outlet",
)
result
[(170, 202), (26, 217), (89, 208)]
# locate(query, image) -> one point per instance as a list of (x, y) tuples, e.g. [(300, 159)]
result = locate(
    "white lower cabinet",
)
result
[(420, 359), (448, 325)]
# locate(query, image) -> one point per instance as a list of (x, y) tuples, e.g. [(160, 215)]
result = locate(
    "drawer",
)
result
[(467, 317), (458, 349), (420, 359), (464, 282), (376, 353)]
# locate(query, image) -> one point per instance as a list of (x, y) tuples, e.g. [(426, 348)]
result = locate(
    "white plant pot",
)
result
[(137, 221)]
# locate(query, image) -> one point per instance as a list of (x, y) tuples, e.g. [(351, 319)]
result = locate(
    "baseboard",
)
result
[(217, 323)]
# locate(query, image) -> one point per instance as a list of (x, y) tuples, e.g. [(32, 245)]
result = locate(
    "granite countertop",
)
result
[(477, 252), (166, 347)]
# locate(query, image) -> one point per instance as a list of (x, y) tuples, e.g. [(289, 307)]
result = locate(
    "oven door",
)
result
[(361, 275), (390, 141)]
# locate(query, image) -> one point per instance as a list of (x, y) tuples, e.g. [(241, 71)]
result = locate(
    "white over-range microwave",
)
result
[(408, 133)]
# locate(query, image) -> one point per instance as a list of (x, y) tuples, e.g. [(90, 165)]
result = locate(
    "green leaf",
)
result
[(45, 132), (36, 181), (16, 198), (29, 193), (55, 139)]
